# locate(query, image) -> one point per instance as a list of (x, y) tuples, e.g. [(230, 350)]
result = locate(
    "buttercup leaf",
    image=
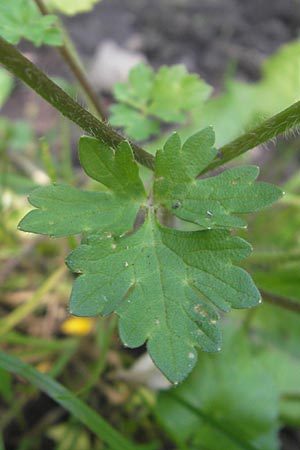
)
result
[(166, 286), (118, 171), (64, 210), (211, 202)]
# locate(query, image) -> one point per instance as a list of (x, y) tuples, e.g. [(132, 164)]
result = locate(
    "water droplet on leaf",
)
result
[(176, 204)]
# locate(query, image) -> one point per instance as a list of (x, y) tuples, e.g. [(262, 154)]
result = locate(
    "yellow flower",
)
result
[(78, 326)]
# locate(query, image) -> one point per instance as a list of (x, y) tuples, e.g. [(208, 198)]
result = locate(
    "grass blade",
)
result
[(65, 398)]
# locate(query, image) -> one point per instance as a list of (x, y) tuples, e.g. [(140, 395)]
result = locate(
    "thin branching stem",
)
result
[(24, 69), (76, 68)]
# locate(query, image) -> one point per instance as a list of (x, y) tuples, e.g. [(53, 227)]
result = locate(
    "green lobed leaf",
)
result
[(210, 202), (22, 19), (149, 98), (164, 284), (175, 92), (232, 399), (118, 170), (64, 210), (135, 124), (138, 92)]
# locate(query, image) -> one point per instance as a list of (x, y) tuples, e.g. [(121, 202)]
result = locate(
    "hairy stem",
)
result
[(24, 69), (76, 68), (285, 120)]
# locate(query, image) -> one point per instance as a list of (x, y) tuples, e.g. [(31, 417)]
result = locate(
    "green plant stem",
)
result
[(22, 311), (72, 61), (24, 69), (65, 398), (285, 120), (282, 302)]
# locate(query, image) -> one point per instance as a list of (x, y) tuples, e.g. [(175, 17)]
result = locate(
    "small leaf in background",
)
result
[(211, 202), (138, 91), (22, 19), (6, 86), (135, 124), (164, 284), (233, 402), (175, 92), (64, 210), (71, 7), (149, 98)]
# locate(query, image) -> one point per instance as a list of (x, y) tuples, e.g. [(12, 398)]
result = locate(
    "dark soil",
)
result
[(206, 35)]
